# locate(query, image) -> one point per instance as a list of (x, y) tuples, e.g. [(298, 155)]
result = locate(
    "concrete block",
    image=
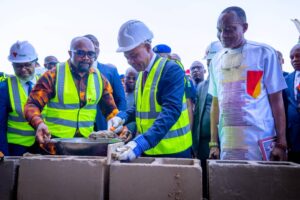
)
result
[(253, 180), (156, 178), (8, 177), (63, 178)]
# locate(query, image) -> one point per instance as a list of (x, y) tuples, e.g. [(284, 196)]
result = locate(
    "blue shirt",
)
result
[(4, 109), (169, 96), (112, 76)]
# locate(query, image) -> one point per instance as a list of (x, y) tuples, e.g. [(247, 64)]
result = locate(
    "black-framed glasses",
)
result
[(130, 78), (51, 63), (82, 53), (26, 65)]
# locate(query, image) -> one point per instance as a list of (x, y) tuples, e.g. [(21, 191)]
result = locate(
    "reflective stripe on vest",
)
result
[(18, 129), (64, 115), (178, 137)]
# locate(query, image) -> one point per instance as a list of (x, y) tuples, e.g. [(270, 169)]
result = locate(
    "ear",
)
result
[(245, 27), (70, 53)]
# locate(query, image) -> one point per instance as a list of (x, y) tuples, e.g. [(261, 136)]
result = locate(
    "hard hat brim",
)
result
[(124, 49), (20, 61)]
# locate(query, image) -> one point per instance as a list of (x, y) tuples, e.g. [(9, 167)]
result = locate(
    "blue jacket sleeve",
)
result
[(118, 90), (4, 109), (169, 96)]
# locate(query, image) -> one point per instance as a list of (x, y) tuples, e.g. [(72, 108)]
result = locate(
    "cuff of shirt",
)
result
[(142, 143), (35, 122), (112, 114), (123, 115)]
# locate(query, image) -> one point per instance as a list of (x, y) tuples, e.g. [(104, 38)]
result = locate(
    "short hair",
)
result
[(238, 11), (93, 39)]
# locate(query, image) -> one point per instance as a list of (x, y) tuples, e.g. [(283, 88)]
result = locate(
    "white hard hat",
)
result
[(212, 49), (22, 52), (131, 34)]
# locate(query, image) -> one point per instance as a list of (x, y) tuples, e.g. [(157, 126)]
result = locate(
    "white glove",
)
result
[(115, 124), (127, 152)]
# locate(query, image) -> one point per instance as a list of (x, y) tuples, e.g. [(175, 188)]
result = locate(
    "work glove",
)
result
[(132, 149), (115, 124)]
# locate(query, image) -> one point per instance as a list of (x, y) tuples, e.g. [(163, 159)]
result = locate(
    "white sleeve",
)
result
[(212, 87)]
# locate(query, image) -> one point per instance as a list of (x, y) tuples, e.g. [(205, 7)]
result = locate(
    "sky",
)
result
[(188, 26)]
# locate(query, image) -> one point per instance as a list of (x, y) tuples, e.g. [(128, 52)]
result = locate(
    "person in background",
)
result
[(130, 81), (111, 74), (72, 90), (246, 83), (3, 116), (197, 71), (281, 61), (50, 62), (19, 135), (292, 106), (39, 70), (164, 50), (122, 79), (160, 109), (201, 127)]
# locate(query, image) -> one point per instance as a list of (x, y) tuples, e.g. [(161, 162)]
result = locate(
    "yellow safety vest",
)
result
[(18, 129), (179, 137), (64, 115)]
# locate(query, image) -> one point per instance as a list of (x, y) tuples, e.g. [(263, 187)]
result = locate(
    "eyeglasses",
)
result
[(81, 53), (51, 63), (19, 66), (130, 78)]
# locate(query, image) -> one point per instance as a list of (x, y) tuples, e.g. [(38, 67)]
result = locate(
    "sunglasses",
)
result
[(81, 53), (19, 66)]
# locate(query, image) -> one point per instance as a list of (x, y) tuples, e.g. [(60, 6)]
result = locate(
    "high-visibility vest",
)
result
[(179, 137), (18, 129), (64, 115)]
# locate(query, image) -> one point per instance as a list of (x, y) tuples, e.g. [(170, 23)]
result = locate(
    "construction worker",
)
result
[(71, 92), (19, 134), (160, 112), (111, 73), (50, 62)]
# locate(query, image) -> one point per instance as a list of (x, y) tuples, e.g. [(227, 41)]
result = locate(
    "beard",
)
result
[(84, 66), (27, 78)]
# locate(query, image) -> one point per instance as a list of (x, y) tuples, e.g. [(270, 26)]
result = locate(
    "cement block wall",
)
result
[(62, 178), (156, 178), (8, 177), (253, 180)]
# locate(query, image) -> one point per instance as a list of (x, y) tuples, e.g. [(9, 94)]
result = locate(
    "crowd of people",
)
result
[(246, 109)]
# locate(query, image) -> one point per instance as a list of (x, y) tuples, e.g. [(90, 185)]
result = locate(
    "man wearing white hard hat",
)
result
[(160, 111), (19, 134)]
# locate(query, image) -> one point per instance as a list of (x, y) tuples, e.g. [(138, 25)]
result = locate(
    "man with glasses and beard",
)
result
[(17, 136), (71, 92)]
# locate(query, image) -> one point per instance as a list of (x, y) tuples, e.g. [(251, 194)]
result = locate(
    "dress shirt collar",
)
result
[(151, 63)]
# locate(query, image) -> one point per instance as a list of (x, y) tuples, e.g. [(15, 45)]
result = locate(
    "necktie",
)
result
[(29, 83), (145, 74)]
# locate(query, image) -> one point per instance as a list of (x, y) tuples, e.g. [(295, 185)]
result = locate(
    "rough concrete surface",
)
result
[(156, 178), (8, 177), (62, 178), (253, 180)]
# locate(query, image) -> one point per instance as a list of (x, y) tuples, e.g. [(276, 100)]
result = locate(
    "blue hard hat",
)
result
[(162, 48)]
